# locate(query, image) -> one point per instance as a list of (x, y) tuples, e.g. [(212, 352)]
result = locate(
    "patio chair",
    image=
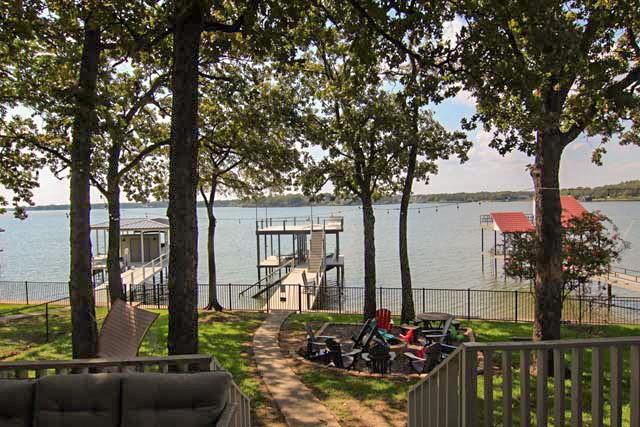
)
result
[(426, 359), (408, 336), (440, 335), (123, 330), (368, 338), (315, 343), (366, 327), (379, 357), (383, 319), (339, 359)]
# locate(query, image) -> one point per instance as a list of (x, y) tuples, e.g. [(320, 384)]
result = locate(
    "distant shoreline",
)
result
[(156, 205), (628, 191)]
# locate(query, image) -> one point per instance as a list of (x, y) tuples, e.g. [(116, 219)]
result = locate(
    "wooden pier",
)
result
[(292, 260)]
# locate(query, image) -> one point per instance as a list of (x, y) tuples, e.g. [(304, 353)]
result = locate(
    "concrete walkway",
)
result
[(296, 402)]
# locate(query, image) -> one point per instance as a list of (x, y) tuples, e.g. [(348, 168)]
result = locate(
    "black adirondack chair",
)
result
[(341, 360), (315, 343), (433, 355)]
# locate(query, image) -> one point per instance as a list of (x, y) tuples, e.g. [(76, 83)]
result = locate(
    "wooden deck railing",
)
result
[(182, 363), (574, 370)]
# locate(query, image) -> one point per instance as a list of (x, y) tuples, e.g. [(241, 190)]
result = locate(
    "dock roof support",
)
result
[(142, 246)]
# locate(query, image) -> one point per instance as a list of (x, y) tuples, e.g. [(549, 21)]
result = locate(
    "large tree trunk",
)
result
[(113, 202), (83, 319), (408, 313), (183, 180), (548, 211), (213, 303), (368, 221)]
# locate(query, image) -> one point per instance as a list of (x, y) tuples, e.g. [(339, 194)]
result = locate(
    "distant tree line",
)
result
[(626, 190)]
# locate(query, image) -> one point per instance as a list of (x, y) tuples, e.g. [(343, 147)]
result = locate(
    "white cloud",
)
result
[(452, 29), (464, 97)]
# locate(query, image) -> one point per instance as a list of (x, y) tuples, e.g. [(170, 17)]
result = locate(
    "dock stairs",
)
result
[(317, 252)]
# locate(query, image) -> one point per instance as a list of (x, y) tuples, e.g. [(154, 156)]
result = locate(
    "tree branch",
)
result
[(141, 155), (146, 98), (611, 92), (236, 25), (397, 43)]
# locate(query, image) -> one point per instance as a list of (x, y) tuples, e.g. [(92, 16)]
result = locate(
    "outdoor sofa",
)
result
[(118, 400)]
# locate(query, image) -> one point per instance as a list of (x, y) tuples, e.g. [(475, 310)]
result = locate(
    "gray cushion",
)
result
[(91, 400), (16, 403), (184, 400)]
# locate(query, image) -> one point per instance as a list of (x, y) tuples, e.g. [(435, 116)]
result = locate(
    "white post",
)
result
[(159, 246), (142, 246), (97, 243)]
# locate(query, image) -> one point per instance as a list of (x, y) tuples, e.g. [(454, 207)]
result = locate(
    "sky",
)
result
[(486, 170)]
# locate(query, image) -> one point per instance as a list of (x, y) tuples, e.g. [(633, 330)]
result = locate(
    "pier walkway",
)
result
[(139, 274), (299, 288), (296, 402)]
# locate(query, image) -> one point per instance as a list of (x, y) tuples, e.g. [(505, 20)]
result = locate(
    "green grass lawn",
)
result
[(391, 393), (356, 400)]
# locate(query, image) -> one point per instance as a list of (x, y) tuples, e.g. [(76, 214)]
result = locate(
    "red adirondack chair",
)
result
[(408, 337), (383, 319)]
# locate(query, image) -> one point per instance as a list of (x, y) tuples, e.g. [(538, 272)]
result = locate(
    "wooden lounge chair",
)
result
[(427, 359), (123, 330)]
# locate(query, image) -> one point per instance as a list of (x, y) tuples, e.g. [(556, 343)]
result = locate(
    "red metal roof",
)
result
[(570, 208), (512, 222)]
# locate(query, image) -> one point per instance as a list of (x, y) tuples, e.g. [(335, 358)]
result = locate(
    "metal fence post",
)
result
[(468, 303), (230, 308), (299, 298), (268, 298), (580, 309), (26, 291), (46, 321), (516, 305), (339, 301), (380, 298), (424, 298)]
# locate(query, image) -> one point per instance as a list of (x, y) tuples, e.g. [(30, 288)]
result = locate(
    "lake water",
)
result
[(444, 242)]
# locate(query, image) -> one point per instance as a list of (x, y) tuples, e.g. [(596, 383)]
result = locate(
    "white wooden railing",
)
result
[(180, 363), (449, 395)]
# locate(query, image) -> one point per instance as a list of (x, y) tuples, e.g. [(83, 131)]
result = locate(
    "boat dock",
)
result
[(292, 260), (144, 251)]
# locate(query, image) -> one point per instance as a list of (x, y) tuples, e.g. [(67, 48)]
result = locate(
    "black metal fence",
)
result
[(512, 306), (497, 305), (40, 322)]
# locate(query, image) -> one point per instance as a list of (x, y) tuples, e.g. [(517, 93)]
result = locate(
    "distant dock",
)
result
[(292, 260)]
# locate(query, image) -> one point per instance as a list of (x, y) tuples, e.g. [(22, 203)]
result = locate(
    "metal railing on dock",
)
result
[(271, 278), (283, 224)]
